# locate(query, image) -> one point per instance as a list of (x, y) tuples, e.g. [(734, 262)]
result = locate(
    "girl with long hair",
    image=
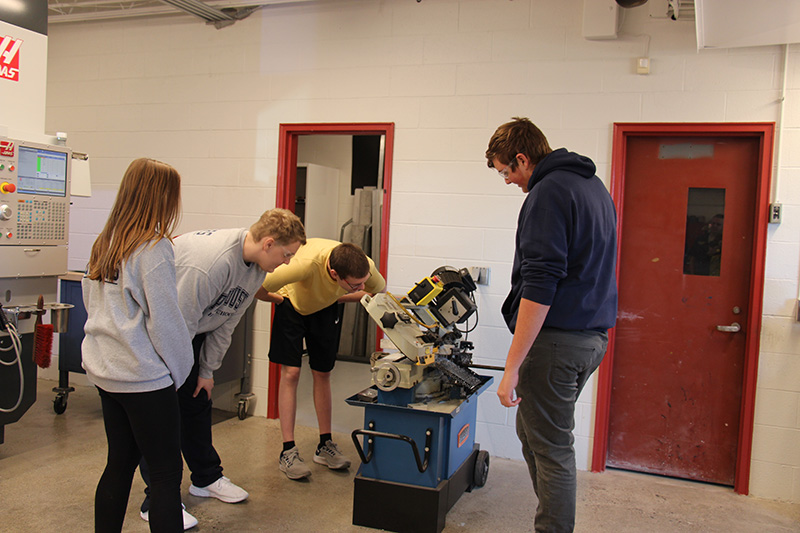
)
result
[(137, 350)]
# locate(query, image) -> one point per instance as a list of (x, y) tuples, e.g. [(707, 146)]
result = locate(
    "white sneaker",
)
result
[(188, 520), (222, 489)]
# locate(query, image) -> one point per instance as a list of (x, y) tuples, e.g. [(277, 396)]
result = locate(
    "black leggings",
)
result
[(142, 424)]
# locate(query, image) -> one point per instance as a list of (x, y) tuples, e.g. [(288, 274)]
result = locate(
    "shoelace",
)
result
[(290, 458), (330, 450)]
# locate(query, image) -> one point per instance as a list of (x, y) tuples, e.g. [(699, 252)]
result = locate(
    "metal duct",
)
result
[(199, 9)]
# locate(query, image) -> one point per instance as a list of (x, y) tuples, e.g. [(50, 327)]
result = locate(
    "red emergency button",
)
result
[(6, 187)]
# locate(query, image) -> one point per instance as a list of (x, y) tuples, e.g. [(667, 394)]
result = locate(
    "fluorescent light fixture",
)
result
[(17, 6)]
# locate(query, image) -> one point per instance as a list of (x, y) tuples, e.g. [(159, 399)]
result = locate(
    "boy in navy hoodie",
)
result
[(563, 299)]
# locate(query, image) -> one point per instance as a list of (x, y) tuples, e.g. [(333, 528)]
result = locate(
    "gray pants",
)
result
[(550, 379)]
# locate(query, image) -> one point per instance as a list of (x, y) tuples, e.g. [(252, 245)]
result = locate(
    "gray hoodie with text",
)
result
[(135, 337)]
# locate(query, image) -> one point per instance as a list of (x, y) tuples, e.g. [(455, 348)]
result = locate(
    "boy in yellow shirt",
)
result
[(307, 293)]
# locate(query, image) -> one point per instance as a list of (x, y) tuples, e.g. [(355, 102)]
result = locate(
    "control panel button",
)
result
[(6, 187), (12, 168)]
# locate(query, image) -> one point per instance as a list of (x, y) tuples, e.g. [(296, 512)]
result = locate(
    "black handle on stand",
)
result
[(371, 434)]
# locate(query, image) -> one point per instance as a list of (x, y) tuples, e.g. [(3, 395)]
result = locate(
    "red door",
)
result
[(686, 255)]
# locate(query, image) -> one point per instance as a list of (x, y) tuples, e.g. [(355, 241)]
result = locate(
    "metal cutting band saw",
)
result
[(417, 448)]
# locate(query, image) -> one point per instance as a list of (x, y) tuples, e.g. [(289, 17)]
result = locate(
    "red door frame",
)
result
[(288, 139), (765, 132)]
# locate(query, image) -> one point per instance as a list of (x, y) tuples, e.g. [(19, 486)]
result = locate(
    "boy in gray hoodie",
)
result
[(218, 273)]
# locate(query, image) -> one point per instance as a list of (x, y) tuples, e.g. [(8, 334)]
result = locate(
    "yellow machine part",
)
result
[(425, 291)]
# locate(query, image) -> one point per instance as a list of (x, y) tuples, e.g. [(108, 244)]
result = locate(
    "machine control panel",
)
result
[(34, 193)]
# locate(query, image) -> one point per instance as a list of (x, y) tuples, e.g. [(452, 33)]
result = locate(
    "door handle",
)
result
[(733, 328)]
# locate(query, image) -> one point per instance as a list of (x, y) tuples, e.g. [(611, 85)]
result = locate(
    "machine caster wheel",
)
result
[(242, 409), (481, 469), (60, 403)]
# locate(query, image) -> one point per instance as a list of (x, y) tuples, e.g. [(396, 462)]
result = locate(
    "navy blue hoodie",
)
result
[(566, 246)]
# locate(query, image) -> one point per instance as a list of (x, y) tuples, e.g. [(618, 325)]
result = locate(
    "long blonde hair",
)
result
[(147, 208)]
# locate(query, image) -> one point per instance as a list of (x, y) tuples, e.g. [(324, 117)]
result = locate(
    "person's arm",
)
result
[(542, 250), (215, 346), (270, 297), (352, 297), (158, 295), (530, 318), (296, 270), (195, 292)]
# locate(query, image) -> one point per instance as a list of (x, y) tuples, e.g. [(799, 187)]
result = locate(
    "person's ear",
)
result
[(522, 160)]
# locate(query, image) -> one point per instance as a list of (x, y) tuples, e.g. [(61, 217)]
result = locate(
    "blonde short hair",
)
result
[(280, 224)]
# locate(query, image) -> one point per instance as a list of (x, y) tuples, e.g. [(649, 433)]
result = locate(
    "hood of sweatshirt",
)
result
[(561, 159)]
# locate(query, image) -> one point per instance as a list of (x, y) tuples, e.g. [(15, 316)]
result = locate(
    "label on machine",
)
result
[(463, 435)]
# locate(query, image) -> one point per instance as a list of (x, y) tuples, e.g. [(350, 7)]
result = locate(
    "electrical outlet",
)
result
[(775, 213)]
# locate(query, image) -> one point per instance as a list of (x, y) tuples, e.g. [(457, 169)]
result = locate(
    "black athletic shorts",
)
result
[(321, 331)]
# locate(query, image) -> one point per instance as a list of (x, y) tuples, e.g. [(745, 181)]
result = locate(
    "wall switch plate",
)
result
[(480, 275), (643, 65), (775, 213)]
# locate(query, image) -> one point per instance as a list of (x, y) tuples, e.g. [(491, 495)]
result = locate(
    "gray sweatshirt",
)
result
[(135, 338), (215, 288)]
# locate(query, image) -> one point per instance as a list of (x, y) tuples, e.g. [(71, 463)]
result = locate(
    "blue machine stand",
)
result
[(416, 460)]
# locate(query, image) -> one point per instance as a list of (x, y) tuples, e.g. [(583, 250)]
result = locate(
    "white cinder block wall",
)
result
[(446, 72)]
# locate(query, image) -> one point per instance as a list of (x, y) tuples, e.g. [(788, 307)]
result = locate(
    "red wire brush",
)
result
[(43, 337)]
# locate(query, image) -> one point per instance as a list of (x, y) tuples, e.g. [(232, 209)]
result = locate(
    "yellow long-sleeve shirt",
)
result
[(307, 282)]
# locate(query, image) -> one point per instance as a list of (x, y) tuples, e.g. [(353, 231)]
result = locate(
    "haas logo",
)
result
[(9, 58), (7, 148)]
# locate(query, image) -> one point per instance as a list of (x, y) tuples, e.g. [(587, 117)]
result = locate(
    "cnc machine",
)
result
[(34, 233)]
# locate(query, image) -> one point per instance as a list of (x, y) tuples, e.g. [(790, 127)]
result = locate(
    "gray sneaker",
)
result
[(329, 455), (292, 464)]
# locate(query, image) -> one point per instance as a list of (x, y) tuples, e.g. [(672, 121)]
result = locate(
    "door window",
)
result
[(705, 218)]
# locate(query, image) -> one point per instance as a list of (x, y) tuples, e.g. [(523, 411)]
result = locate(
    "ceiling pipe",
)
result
[(81, 11)]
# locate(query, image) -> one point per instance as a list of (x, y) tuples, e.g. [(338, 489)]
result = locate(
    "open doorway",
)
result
[(347, 169), (338, 190)]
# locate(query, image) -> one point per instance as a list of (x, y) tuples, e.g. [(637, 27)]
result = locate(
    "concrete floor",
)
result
[(49, 467)]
